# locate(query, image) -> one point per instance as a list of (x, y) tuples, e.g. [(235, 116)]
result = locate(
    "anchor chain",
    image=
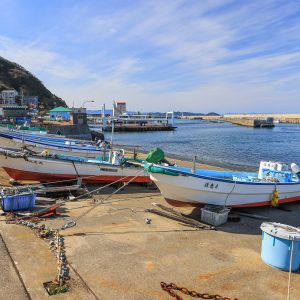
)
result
[(172, 287), (56, 246)]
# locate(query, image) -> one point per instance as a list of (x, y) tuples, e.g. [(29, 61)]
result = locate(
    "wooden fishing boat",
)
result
[(185, 187), (23, 166)]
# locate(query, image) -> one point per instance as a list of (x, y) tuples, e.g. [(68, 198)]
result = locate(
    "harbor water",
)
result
[(221, 144)]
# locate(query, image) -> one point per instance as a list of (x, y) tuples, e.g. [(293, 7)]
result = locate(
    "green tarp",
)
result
[(155, 155)]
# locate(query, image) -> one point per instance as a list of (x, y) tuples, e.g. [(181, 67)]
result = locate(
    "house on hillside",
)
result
[(60, 113), (31, 102), (8, 97)]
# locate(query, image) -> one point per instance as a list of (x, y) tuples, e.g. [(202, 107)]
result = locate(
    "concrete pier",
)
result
[(119, 256), (256, 123), (248, 118), (131, 127)]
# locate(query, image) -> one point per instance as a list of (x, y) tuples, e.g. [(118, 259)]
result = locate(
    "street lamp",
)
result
[(87, 102)]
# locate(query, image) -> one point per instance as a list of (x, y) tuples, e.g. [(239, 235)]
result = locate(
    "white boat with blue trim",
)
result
[(186, 187), (22, 165), (57, 145)]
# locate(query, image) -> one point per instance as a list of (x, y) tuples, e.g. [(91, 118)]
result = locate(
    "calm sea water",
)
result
[(221, 144)]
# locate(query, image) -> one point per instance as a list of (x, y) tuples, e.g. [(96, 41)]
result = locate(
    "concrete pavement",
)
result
[(117, 256)]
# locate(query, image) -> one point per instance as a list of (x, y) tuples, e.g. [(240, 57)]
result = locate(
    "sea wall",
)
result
[(251, 122), (72, 131), (282, 118)]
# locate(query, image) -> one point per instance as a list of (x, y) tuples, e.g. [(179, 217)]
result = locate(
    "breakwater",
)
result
[(256, 123), (281, 118)]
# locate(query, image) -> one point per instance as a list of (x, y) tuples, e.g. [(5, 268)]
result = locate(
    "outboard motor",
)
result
[(295, 169), (117, 157)]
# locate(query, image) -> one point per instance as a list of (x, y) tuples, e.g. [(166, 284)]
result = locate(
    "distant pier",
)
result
[(251, 120), (134, 122), (139, 128)]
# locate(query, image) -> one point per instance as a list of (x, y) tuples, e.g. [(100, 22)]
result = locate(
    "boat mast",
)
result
[(112, 138), (194, 164)]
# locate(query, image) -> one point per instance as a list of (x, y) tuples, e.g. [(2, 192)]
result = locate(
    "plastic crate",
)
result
[(214, 215), (18, 202)]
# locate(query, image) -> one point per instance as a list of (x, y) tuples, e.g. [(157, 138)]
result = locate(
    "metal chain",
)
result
[(169, 288), (56, 246)]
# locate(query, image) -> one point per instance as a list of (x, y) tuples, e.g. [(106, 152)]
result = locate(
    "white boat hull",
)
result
[(50, 170), (194, 191), (16, 144)]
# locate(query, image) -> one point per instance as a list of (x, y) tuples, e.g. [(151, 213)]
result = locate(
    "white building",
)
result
[(8, 96), (31, 101), (119, 108)]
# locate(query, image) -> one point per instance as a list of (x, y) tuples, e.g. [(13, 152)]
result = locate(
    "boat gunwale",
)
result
[(188, 174), (44, 143), (48, 136), (71, 159)]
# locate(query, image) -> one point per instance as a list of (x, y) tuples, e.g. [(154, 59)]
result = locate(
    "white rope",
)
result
[(229, 194), (290, 271), (72, 223), (103, 187)]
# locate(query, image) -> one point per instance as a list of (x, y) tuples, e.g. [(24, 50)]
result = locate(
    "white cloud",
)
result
[(183, 55), (39, 60), (31, 57)]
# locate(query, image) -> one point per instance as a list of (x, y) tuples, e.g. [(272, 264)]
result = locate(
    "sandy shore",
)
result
[(4, 178), (178, 161)]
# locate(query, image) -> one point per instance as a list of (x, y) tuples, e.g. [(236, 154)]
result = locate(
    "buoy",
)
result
[(275, 198), (45, 152)]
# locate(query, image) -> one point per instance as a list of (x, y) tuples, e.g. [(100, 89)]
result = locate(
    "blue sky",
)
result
[(216, 55)]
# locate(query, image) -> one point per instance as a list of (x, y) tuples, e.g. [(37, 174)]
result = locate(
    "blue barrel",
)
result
[(276, 248), (18, 202)]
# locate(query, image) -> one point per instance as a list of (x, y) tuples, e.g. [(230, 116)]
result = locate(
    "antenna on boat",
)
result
[(112, 138), (112, 132), (194, 164)]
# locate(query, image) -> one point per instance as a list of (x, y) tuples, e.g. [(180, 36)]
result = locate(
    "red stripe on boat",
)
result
[(46, 177), (178, 203)]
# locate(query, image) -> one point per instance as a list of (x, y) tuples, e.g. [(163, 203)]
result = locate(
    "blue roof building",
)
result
[(60, 113)]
